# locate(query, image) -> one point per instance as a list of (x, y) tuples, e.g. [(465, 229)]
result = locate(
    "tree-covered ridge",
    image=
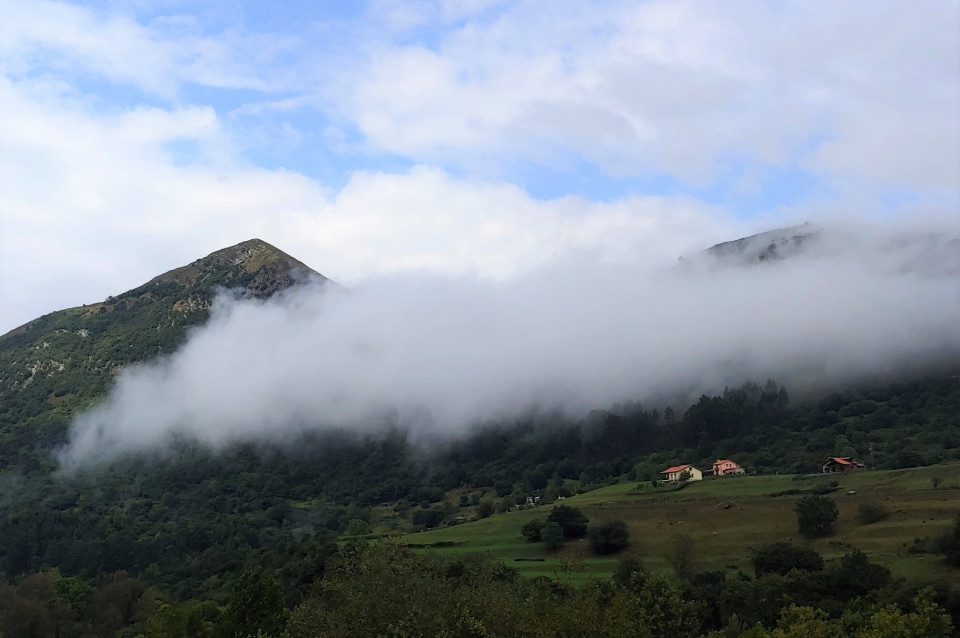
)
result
[(62, 362), (385, 589)]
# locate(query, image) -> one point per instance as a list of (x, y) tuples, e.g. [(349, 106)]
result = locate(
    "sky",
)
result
[(458, 138)]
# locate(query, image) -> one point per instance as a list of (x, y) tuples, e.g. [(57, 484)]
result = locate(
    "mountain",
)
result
[(63, 361), (186, 522), (771, 245), (914, 251)]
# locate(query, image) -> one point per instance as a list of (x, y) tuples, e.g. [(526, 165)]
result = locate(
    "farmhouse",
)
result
[(842, 464), (673, 474), (724, 467)]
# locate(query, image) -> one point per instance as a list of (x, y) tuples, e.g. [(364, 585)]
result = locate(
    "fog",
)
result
[(438, 354)]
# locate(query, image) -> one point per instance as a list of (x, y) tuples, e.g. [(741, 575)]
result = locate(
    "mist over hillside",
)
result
[(437, 355)]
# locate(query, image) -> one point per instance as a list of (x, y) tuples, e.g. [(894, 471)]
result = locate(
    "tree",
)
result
[(816, 515), (485, 509), (609, 538), (256, 605), (571, 520), (531, 531), (552, 535)]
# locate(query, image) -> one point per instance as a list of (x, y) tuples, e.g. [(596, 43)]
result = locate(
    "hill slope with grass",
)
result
[(726, 518)]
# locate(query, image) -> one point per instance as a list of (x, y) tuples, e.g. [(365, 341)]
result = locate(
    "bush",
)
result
[(780, 558), (485, 509), (816, 516), (871, 513), (609, 538), (571, 520), (531, 531)]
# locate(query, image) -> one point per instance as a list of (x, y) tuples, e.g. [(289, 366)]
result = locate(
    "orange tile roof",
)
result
[(844, 460), (678, 468)]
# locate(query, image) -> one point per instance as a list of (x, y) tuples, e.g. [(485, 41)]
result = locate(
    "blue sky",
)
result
[(478, 137)]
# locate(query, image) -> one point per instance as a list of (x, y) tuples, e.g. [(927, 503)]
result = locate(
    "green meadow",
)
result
[(726, 518)]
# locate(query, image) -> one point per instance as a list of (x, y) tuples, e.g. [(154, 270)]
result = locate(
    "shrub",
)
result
[(485, 509), (871, 513), (816, 516), (609, 538)]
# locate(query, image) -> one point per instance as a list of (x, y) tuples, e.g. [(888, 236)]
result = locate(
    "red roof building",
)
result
[(842, 464)]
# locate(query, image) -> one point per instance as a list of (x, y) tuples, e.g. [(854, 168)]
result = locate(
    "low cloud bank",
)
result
[(438, 355)]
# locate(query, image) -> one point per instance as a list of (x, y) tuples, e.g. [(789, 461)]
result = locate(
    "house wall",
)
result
[(695, 475)]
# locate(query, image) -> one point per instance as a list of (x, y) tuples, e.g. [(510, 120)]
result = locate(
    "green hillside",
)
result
[(726, 518)]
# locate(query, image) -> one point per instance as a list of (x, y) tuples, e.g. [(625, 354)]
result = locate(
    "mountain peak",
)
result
[(97, 340), (253, 264)]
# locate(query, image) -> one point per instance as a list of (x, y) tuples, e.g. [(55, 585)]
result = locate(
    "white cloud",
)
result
[(677, 87), (97, 196), (96, 204), (158, 57), (439, 354)]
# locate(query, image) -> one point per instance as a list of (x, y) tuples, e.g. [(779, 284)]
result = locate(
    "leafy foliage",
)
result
[(571, 520), (256, 607), (816, 515), (531, 530)]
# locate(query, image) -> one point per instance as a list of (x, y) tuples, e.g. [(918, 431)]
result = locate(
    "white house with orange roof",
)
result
[(688, 472)]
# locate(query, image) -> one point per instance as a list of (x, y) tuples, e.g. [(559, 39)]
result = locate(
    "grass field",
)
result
[(726, 518)]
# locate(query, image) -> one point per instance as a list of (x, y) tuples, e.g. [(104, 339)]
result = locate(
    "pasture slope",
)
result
[(726, 518)]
